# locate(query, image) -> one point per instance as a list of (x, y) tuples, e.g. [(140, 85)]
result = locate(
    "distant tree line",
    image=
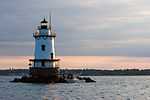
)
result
[(84, 72)]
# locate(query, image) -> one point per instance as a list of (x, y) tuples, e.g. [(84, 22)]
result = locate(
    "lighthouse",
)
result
[(44, 67), (45, 63)]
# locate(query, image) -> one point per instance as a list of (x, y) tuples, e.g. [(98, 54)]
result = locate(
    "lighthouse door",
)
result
[(43, 63)]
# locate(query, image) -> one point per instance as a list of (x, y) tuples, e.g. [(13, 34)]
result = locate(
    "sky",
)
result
[(83, 27), (81, 62)]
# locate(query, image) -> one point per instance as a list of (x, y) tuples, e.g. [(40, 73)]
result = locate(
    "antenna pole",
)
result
[(50, 25)]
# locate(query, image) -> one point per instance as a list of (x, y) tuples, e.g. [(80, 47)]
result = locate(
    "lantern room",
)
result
[(44, 24)]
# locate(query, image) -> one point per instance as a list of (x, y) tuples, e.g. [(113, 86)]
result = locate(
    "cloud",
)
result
[(97, 27)]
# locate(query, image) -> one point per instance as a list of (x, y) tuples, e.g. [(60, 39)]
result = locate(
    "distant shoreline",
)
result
[(83, 72)]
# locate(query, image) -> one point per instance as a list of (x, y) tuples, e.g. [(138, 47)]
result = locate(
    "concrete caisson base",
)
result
[(43, 72)]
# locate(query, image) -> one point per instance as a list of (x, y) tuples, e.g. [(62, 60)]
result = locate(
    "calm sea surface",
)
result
[(106, 88)]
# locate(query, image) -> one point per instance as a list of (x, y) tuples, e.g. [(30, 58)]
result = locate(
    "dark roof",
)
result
[(44, 21)]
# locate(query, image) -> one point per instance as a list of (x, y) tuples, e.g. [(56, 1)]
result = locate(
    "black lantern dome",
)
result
[(44, 24)]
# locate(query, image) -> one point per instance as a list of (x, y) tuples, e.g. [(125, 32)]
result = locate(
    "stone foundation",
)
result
[(47, 75)]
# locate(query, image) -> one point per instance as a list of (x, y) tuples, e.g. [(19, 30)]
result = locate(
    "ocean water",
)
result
[(106, 88)]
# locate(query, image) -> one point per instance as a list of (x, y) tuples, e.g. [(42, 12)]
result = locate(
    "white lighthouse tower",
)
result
[(45, 63)]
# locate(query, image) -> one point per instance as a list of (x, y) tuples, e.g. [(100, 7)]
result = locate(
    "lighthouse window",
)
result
[(43, 47)]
